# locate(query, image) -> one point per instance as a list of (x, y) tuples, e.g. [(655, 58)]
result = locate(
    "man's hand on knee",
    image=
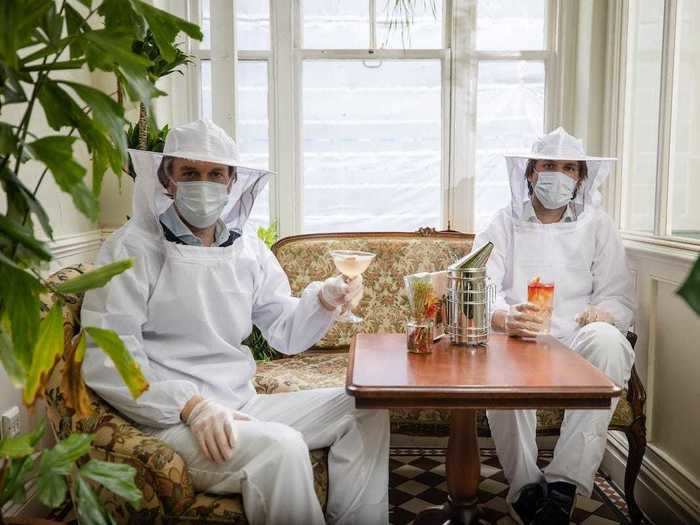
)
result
[(213, 427), (593, 314)]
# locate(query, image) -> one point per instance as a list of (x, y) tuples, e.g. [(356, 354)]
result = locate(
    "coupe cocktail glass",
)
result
[(351, 263)]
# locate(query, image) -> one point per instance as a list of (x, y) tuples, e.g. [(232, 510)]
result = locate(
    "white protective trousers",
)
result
[(581, 445), (271, 469)]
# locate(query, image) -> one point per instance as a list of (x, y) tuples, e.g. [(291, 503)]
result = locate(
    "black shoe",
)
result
[(557, 507), (523, 510)]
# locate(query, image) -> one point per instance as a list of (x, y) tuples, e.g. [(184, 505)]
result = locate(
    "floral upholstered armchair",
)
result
[(161, 474)]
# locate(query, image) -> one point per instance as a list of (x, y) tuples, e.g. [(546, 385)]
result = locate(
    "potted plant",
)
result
[(42, 40)]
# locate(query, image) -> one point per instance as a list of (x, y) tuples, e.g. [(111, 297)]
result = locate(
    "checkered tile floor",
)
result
[(417, 481)]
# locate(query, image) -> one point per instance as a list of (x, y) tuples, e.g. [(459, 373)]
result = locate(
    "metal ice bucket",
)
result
[(470, 296)]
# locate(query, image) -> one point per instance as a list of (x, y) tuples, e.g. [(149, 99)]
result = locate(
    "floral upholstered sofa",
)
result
[(168, 493)]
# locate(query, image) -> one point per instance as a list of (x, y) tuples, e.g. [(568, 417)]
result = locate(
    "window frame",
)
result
[(662, 234), (459, 62)]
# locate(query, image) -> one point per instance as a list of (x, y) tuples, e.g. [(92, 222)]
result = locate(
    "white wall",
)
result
[(668, 361)]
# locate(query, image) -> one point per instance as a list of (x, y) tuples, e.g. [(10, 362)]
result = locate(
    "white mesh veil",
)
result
[(199, 140), (558, 145)]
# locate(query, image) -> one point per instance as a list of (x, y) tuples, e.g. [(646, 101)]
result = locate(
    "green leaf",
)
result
[(109, 116), (116, 477), (57, 153), (17, 22), (125, 363), (119, 15), (96, 278), (20, 294), (48, 349), (21, 445), (22, 199), (165, 27), (690, 289), (59, 459), (89, 508), (13, 488), (15, 447), (111, 51), (59, 107), (52, 24), (56, 463), (22, 235), (97, 133), (74, 24), (13, 368), (8, 141), (11, 91), (52, 489)]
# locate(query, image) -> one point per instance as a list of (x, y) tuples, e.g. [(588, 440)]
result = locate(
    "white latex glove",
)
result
[(593, 314), (338, 292), (524, 320), (214, 429)]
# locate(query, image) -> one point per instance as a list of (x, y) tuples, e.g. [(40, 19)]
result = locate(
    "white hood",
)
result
[(558, 145), (199, 140)]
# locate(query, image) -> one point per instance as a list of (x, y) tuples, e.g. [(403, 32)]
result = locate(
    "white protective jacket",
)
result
[(585, 257), (182, 310)]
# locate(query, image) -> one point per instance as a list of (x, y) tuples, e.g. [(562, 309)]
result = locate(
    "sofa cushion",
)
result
[(324, 370), (306, 258)]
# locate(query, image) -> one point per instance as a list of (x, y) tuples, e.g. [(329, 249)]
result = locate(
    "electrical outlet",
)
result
[(11, 424)]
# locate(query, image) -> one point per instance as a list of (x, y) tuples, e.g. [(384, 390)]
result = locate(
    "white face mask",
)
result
[(554, 189), (200, 203)]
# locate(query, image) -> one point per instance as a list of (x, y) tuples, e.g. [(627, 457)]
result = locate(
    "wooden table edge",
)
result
[(450, 397)]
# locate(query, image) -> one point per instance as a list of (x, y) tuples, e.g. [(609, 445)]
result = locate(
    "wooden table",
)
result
[(509, 373)]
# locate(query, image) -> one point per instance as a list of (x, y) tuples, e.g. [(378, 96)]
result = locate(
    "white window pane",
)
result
[(511, 24), (205, 17), (252, 129), (336, 24), (417, 27), (685, 149), (372, 145), (253, 24), (643, 84), (510, 116), (205, 89)]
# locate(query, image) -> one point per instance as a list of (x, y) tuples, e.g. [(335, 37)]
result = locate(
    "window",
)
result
[(684, 163), (645, 42), (374, 114), (661, 149), (251, 125)]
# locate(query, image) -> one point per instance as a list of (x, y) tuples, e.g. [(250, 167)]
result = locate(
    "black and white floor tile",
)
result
[(417, 481)]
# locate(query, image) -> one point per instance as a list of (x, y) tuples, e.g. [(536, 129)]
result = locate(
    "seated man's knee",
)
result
[(606, 348)]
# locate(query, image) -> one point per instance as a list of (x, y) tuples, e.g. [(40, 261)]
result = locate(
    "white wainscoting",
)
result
[(77, 248), (668, 361)]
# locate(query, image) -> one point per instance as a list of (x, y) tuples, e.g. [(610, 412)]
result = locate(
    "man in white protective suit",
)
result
[(555, 229), (197, 286)]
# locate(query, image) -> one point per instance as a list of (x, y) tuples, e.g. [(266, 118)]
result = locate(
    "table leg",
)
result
[(463, 468)]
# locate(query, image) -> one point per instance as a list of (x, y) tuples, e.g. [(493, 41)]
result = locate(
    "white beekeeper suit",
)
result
[(183, 311), (584, 256)]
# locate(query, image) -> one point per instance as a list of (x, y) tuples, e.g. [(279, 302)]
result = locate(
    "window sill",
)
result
[(666, 247)]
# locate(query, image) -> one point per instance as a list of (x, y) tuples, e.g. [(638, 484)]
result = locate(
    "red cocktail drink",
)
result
[(542, 295)]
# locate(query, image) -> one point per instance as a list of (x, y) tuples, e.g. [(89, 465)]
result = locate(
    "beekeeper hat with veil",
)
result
[(558, 145), (201, 140)]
